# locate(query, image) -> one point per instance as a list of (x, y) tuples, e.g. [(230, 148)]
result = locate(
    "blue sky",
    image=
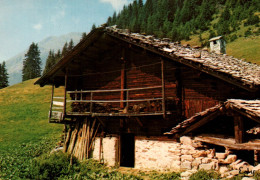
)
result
[(25, 21)]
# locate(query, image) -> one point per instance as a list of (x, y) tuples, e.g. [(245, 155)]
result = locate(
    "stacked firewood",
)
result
[(80, 139), (96, 107)]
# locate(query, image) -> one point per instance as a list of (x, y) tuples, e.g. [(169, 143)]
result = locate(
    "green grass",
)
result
[(245, 48), (24, 115)]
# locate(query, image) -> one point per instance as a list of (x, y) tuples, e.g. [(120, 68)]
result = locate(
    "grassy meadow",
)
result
[(24, 115)]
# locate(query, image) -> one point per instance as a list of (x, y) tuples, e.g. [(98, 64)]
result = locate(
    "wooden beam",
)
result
[(123, 80), (139, 121), (179, 93), (52, 94), (256, 157), (239, 129), (229, 143), (163, 88), (65, 93)]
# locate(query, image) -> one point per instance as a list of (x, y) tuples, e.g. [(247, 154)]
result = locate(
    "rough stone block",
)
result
[(186, 165), (230, 159), (196, 162), (186, 140), (206, 160), (208, 166), (256, 168), (200, 154), (221, 155), (234, 172), (186, 158), (223, 169)]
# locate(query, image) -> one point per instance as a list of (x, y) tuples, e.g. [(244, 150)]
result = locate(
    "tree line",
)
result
[(178, 19)]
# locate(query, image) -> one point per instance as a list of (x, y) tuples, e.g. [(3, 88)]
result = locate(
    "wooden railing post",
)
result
[(52, 94), (91, 102), (127, 100), (65, 93), (163, 89)]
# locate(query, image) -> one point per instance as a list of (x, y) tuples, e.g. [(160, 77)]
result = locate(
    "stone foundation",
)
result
[(174, 156)]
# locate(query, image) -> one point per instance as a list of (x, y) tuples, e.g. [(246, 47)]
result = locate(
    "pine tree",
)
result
[(93, 27), (71, 45), (32, 63), (83, 36), (49, 62), (4, 76), (65, 48)]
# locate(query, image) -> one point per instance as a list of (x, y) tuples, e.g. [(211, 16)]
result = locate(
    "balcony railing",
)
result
[(89, 102)]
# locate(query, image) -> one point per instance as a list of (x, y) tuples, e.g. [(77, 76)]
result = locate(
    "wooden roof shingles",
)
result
[(249, 108), (243, 74), (247, 74)]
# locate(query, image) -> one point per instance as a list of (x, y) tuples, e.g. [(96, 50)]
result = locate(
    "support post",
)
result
[(65, 93), (163, 89), (239, 129), (91, 102), (52, 94), (256, 157), (122, 93), (179, 93)]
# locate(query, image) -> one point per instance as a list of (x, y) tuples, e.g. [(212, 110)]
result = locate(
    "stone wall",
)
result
[(174, 156), (108, 150)]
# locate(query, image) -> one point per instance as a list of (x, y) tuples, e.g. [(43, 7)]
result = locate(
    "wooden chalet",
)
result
[(128, 87)]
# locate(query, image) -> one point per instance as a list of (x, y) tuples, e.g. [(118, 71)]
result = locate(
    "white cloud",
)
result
[(37, 26), (116, 4)]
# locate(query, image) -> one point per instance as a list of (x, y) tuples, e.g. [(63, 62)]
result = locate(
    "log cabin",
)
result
[(123, 91)]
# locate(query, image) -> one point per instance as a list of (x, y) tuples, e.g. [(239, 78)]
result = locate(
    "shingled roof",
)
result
[(227, 68), (248, 108)]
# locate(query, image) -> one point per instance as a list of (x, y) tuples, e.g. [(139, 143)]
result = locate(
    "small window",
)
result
[(214, 42)]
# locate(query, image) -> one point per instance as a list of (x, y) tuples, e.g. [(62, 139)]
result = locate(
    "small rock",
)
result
[(208, 166), (223, 169), (200, 154), (186, 158), (230, 159), (247, 178), (197, 55), (186, 140), (256, 168), (221, 155), (186, 165), (234, 172)]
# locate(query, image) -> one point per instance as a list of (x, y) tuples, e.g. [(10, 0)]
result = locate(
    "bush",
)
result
[(252, 20), (172, 175), (204, 175), (52, 166)]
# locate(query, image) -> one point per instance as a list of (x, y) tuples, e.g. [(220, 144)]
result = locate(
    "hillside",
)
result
[(24, 115), (15, 64), (196, 21)]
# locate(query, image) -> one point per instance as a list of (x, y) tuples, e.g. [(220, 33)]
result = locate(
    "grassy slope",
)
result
[(24, 115)]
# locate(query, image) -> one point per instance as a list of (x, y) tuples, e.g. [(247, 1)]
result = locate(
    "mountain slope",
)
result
[(15, 64), (24, 114)]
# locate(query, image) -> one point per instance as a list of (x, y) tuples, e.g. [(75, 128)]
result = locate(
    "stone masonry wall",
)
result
[(174, 156), (169, 155), (108, 150)]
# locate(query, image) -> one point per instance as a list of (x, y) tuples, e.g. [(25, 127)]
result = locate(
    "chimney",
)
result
[(218, 45)]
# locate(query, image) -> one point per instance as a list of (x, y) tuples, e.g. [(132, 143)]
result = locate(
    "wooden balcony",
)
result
[(123, 102)]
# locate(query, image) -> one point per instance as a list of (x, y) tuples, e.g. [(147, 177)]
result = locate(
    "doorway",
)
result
[(127, 153)]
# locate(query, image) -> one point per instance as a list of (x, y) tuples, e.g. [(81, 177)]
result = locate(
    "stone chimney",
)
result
[(218, 45)]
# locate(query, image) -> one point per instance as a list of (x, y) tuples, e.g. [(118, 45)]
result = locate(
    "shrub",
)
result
[(162, 176), (204, 175)]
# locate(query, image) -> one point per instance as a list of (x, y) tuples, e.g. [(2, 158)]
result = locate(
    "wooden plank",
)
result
[(111, 101), (163, 88), (52, 93), (65, 92), (116, 90), (123, 81), (58, 103), (229, 143), (238, 129)]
